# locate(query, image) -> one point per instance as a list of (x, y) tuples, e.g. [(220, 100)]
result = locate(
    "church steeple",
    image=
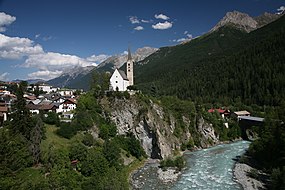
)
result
[(129, 54), (130, 67)]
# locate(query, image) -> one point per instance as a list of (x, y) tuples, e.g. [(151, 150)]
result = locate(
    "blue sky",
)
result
[(44, 38)]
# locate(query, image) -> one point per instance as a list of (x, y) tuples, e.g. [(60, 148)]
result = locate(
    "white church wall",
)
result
[(117, 81)]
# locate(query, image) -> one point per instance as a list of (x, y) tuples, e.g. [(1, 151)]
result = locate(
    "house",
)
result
[(66, 106), (237, 114), (43, 108), (66, 92), (222, 112), (30, 98), (3, 114), (4, 92), (120, 80), (46, 88)]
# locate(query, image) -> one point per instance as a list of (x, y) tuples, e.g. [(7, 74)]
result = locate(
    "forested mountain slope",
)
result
[(226, 65)]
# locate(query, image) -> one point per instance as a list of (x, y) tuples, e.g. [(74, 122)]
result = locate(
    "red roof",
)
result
[(70, 101), (221, 111), (3, 109), (31, 97), (74, 161)]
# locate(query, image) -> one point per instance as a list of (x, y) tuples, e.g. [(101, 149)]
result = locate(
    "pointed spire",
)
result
[(129, 54)]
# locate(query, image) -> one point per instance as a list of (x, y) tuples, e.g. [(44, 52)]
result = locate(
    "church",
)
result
[(120, 80)]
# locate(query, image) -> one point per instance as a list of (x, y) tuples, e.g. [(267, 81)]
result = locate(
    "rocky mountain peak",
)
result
[(118, 60), (240, 20), (245, 22), (266, 18)]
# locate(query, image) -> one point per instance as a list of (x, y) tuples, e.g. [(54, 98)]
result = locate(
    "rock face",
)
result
[(153, 127), (240, 20), (265, 19), (244, 22), (208, 133)]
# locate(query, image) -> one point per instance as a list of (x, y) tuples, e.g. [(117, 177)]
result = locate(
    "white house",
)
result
[(3, 113), (66, 106), (119, 80), (66, 92), (47, 88)]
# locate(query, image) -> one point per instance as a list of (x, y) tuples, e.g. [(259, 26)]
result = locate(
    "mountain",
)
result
[(245, 22), (228, 64), (71, 78), (30, 81), (80, 77), (117, 61)]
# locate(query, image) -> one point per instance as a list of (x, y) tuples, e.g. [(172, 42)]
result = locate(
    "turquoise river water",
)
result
[(210, 168)]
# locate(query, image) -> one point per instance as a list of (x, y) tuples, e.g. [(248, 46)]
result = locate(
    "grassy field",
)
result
[(53, 139)]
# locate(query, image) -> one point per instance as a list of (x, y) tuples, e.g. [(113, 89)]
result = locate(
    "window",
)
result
[(129, 70), (129, 64), (116, 81)]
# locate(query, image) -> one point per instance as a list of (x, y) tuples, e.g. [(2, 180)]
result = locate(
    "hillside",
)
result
[(225, 65)]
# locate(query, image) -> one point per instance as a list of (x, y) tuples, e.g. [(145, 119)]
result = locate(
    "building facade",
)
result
[(119, 80)]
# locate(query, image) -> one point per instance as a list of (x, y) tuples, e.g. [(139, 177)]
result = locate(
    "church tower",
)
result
[(130, 68)]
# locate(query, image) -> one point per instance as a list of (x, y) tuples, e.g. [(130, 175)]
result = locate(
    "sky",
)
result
[(41, 39)]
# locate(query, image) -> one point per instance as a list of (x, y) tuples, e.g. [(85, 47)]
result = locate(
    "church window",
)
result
[(129, 70), (116, 81), (129, 64)]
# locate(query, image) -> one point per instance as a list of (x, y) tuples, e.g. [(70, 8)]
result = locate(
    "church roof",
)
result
[(123, 74)]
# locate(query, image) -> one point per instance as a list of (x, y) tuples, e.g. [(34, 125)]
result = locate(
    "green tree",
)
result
[(37, 134), (21, 117)]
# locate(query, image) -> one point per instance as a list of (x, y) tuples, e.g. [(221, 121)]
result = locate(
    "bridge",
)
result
[(246, 122)]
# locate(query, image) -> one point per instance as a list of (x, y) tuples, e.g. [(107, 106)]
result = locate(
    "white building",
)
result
[(66, 106), (3, 113), (119, 80), (66, 92), (47, 88)]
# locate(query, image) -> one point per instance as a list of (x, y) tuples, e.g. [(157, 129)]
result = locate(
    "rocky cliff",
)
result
[(155, 127)]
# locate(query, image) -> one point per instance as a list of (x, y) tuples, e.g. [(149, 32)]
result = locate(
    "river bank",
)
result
[(242, 175), (151, 171), (210, 168)]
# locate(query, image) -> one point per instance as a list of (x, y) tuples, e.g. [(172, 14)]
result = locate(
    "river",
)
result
[(206, 169)]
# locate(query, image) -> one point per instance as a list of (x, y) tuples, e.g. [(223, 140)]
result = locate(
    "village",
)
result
[(62, 101)]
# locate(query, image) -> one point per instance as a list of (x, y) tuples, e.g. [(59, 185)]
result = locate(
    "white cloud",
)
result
[(190, 36), (138, 28), (97, 58), (5, 20), (55, 61), (184, 39), (281, 9), (46, 75), (162, 26), (186, 32), (37, 36), (145, 21), (16, 48), (161, 16), (134, 20), (4, 76), (47, 38)]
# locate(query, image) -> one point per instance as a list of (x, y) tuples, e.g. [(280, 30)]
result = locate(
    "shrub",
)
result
[(51, 118), (66, 130)]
